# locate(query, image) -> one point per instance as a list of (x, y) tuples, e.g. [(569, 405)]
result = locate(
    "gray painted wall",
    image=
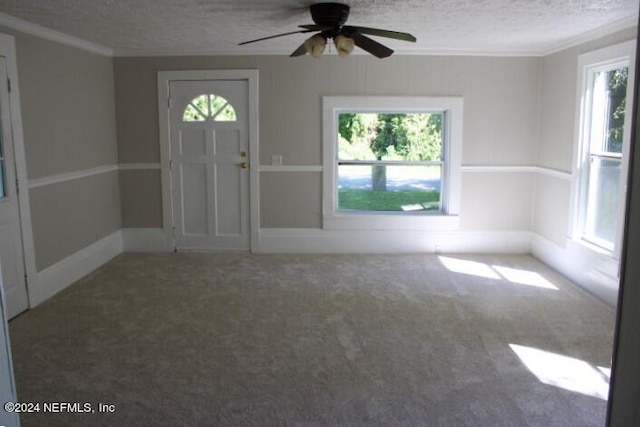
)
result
[(67, 100), (557, 125), (501, 98)]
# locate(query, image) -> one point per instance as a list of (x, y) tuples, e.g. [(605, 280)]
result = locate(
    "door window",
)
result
[(209, 107)]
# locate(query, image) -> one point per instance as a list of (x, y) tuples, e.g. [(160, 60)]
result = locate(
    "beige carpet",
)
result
[(304, 340)]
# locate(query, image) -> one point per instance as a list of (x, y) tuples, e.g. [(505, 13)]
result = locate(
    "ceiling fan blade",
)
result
[(301, 50), (371, 46), (277, 35), (315, 27), (382, 33)]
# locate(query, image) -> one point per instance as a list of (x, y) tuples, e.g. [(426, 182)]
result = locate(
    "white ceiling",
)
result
[(167, 27)]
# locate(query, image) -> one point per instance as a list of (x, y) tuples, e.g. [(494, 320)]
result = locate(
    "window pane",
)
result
[(608, 110), (603, 201), (384, 136), (192, 115), (389, 188), (228, 114)]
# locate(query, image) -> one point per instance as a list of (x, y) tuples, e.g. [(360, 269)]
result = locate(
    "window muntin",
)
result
[(209, 107), (390, 161), (605, 99)]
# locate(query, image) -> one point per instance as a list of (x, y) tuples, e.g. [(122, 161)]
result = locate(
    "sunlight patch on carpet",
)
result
[(524, 277), (565, 372), (512, 275), (473, 268)]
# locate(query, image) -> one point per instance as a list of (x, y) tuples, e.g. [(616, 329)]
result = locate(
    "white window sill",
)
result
[(387, 221), (598, 259), (597, 249)]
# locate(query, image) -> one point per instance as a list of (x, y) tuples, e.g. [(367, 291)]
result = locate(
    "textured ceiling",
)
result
[(146, 27)]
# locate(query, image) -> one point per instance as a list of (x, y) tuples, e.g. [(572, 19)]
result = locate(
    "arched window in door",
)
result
[(209, 107)]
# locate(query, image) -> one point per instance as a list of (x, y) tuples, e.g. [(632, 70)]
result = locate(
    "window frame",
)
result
[(590, 63), (445, 219)]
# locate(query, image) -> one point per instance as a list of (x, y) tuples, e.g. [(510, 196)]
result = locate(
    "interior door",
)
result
[(208, 122), (11, 253)]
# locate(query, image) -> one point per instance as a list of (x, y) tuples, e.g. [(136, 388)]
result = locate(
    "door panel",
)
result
[(11, 253), (209, 174), (194, 204)]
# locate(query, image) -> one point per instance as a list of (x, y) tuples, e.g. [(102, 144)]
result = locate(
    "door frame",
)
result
[(8, 50), (164, 79)]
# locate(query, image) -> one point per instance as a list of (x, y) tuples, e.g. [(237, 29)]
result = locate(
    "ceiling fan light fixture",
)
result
[(329, 20), (344, 45), (315, 45)]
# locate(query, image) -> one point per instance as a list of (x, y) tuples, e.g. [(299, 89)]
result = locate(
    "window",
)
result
[(391, 162), (209, 107), (602, 147)]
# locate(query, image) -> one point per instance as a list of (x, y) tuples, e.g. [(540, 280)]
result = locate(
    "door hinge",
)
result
[(173, 232), (169, 102), (170, 165), (9, 85), (17, 186)]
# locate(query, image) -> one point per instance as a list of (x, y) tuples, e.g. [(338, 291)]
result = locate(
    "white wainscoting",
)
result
[(593, 271), (57, 277), (597, 273), (290, 168), (55, 179), (312, 240), (294, 240), (516, 169)]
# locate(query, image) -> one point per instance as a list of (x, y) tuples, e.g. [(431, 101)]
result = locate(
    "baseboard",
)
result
[(287, 240), (144, 240), (57, 277), (594, 272)]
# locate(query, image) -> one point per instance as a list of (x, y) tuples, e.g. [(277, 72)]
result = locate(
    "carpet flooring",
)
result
[(317, 340)]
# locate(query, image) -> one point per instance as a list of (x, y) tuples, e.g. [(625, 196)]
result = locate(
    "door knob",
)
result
[(244, 165)]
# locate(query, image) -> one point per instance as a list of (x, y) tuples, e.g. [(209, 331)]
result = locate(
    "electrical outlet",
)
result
[(276, 159)]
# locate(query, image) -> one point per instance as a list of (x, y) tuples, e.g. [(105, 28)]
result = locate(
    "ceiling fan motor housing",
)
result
[(329, 14)]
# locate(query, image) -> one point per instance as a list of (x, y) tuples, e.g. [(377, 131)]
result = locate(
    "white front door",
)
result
[(11, 253), (208, 124)]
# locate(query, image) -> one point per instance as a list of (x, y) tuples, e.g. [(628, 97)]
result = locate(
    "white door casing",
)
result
[(11, 250), (208, 183), (7, 385)]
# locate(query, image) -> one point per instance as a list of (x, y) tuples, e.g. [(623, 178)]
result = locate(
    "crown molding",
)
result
[(588, 36), (282, 52), (597, 33), (52, 35), (46, 33)]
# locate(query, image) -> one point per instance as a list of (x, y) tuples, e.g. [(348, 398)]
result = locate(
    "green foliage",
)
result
[(390, 136), (351, 126), (391, 131), (356, 150), (617, 98), (209, 107)]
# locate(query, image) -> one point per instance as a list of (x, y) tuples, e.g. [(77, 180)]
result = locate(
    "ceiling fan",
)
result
[(329, 21)]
